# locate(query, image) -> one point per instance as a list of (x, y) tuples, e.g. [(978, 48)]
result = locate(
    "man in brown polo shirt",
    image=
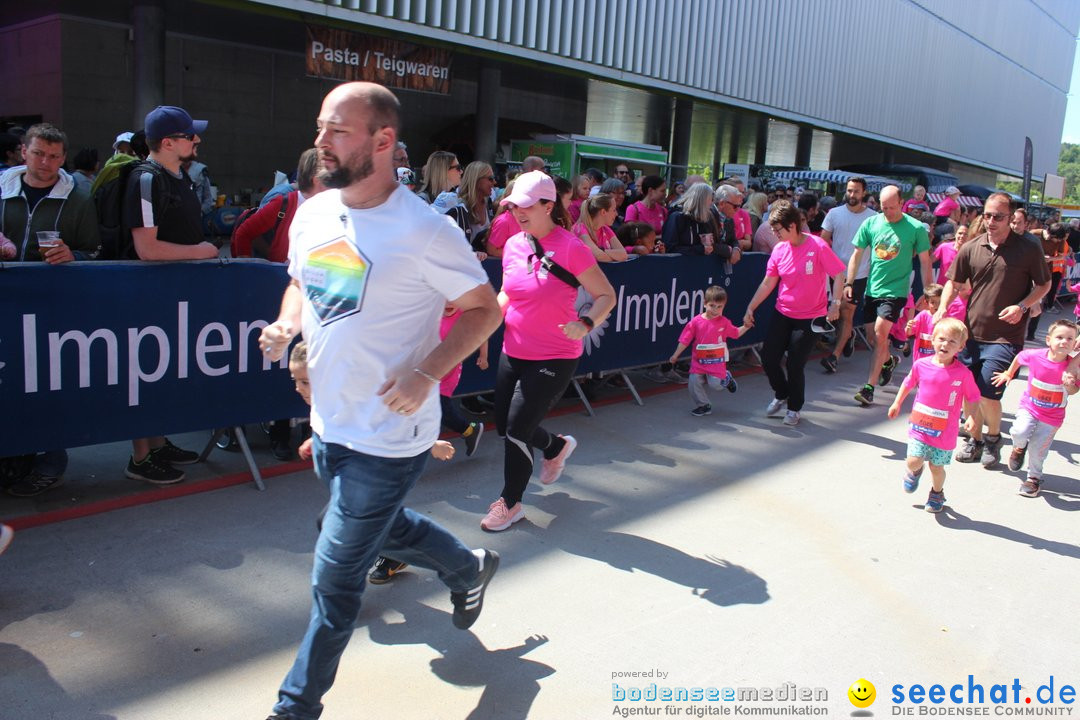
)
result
[(1007, 275)]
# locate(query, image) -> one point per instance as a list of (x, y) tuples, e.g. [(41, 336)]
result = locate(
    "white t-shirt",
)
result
[(374, 284), (843, 224)]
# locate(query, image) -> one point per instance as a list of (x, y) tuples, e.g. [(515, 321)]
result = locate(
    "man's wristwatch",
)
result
[(1023, 307)]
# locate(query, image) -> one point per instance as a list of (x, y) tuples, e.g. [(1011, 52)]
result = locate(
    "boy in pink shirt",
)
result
[(943, 384), (1042, 407), (708, 334)]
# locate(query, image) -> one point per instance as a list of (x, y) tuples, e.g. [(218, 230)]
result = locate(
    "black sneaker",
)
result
[(991, 451), (970, 451), (830, 363), (33, 484), (849, 346), (1016, 458), (732, 386), (384, 570), (469, 603), (172, 455), (227, 441), (153, 470), (865, 396), (472, 440), (702, 411), (887, 370), (281, 448)]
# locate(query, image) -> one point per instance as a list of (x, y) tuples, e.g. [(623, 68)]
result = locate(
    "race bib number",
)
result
[(924, 345), (1045, 395), (711, 354), (929, 421)]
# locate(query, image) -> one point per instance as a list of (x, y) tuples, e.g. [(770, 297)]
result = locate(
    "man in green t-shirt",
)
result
[(893, 239)]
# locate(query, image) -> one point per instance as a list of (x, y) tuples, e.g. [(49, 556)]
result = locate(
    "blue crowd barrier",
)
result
[(101, 352)]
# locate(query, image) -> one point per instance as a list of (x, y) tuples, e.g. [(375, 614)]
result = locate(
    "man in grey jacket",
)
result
[(41, 196)]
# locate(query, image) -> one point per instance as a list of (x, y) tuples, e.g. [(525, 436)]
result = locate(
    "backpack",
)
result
[(116, 240), (260, 245), (463, 218)]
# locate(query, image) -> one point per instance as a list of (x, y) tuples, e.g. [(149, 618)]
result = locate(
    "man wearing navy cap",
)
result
[(163, 213)]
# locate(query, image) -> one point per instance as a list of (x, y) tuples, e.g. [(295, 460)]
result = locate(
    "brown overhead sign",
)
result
[(346, 55)]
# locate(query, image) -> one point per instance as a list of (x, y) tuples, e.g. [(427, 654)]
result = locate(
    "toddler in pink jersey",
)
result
[(707, 334), (1042, 406), (944, 385), (451, 418)]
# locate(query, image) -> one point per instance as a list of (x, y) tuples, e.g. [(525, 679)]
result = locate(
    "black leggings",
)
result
[(1051, 296), (524, 392), (451, 418), (796, 339)]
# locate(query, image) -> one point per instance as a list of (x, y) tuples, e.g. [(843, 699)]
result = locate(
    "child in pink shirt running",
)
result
[(943, 383), (1042, 406), (708, 334)]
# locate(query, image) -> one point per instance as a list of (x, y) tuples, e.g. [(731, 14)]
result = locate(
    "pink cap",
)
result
[(530, 188)]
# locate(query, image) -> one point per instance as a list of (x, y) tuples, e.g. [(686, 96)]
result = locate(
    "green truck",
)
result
[(568, 155)]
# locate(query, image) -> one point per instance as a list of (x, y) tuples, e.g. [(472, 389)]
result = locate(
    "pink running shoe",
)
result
[(550, 470), (500, 517)]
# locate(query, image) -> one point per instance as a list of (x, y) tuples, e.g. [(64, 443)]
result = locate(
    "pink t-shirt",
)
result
[(899, 328), (923, 335), (503, 228), (1044, 397), (935, 418), (957, 309), (944, 253), (605, 236), (575, 209), (538, 301), (707, 340), (945, 207), (803, 272), (655, 216), (451, 379), (743, 227)]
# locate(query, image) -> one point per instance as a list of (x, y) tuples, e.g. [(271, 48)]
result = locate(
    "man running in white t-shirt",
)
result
[(839, 230), (371, 267)]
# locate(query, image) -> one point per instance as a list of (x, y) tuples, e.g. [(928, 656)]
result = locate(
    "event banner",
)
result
[(96, 352), (346, 55)]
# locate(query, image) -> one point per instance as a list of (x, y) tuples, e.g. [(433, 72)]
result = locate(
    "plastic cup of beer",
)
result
[(48, 239)]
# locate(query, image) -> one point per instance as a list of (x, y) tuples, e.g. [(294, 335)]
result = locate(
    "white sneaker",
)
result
[(775, 407), (791, 418)]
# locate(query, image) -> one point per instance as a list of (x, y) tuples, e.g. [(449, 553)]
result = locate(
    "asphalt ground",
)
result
[(720, 552)]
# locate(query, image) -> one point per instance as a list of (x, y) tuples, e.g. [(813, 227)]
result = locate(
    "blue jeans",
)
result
[(365, 518)]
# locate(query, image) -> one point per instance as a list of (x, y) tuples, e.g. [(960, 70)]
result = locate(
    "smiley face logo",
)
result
[(862, 693)]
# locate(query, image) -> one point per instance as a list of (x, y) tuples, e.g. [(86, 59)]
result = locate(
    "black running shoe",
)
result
[(169, 453), (472, 440), (830, 363), (887, 370), (849, 346), (865, 396), (384, 570), (469, 603), (153, 471)]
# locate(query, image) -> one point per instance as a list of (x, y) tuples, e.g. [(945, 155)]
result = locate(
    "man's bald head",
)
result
[(380, 105), (890, 203)]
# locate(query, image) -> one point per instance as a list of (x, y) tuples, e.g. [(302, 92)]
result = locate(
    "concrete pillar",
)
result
[(487, 111), (680, 133), (148, 23), (803, 145), (736, 137), (762, 139)]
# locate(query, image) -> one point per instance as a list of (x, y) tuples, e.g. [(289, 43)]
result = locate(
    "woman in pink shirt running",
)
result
[(801, 265), (543, 266)]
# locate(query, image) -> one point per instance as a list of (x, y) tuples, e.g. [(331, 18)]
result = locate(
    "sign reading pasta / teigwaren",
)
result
[(347, 55)]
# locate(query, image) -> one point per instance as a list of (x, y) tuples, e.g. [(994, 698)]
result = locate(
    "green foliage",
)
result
[(1069, 168)]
